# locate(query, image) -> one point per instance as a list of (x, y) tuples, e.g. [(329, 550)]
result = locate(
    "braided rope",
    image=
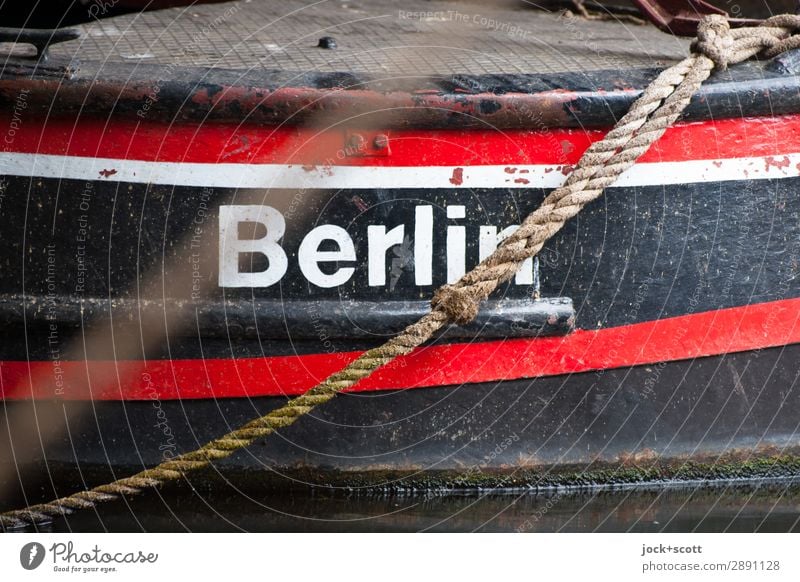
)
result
[(661, 103)]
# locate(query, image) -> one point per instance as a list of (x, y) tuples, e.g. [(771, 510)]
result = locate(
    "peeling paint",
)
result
[(772, 162)]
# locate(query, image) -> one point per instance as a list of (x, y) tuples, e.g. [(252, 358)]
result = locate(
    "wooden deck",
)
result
[(379, 37)]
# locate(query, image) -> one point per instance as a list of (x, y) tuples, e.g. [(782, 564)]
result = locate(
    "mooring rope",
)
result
[(716, 47)]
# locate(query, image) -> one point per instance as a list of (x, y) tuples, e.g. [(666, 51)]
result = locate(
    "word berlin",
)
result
[(310, 254)]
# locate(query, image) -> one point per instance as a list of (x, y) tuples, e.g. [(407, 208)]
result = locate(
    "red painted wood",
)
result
[(217, 143), (737, 329)]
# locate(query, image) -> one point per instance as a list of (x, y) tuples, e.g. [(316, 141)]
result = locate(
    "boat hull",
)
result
[(684, 354), (717, 417), (166, 281)]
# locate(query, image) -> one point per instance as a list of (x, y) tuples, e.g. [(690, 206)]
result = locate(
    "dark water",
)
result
[(732, 507)]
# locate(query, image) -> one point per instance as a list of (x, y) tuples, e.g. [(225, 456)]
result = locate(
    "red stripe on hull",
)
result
[(249, 144), (690, 336)]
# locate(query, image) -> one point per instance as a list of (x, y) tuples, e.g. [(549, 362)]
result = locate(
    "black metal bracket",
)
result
[(39, 37), (297, 319)]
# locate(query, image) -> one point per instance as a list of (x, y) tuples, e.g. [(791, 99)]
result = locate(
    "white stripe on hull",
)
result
[(334, 177)]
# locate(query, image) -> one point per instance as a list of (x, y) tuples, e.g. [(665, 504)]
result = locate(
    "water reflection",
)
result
[(732, 507)]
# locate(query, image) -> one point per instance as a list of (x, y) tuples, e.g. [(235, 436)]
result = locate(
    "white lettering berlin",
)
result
[(380, 239)]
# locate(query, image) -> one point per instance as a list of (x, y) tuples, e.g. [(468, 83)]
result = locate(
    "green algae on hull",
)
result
[(722, 470), (731, 467)]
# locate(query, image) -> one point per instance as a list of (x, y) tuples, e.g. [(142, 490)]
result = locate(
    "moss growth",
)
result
[(608, 476), (545, 478)]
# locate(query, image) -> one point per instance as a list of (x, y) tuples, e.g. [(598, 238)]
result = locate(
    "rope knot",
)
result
[(714, 40), (458, 303)]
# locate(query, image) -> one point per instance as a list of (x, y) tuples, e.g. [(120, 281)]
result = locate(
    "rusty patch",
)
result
[(101, 89), (772, 162)]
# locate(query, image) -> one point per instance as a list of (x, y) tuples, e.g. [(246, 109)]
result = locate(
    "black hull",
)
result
[(186, 247), (718, 417)]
